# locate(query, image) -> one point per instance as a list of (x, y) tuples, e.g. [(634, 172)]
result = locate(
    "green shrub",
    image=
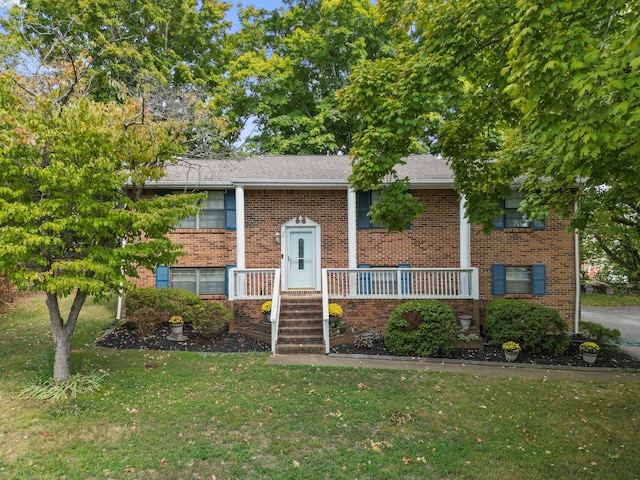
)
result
[(535, 327), (600, 334), (423, 328), (211, 320), (147, 308)]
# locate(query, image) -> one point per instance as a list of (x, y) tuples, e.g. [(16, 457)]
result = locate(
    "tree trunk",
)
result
[(63, 334), (62, 356)]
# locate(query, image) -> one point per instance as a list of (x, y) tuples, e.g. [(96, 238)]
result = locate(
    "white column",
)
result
[(465, 235), (352, 223), (240, 240)]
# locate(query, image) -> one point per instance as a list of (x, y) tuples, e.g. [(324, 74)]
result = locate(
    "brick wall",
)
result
[(431, 242), (267, 210), (553, 247), (374, 314)]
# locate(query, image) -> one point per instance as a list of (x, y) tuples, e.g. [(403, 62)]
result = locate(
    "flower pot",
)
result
[(510, 356), (590, 358), (176, 333), (465, 320)]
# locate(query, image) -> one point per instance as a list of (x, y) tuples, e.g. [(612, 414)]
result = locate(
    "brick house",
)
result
[(291, 230)]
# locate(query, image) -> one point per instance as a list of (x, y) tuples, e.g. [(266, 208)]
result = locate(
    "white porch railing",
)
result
[(257, 284), (252, 283), (364, 283), (401, 283)]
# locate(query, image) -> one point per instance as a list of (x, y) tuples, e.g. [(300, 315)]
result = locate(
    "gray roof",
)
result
[(295, 171)]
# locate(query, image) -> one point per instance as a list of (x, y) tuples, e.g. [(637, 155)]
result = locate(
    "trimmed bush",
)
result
[(535, 327), (211, 320), (147, 308), (600, 334), (422, 328)]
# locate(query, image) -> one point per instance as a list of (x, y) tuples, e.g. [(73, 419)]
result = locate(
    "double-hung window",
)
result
[(507, 280), (218, 211), (201, 281), (513, 218), (365, 200), (212, 215)]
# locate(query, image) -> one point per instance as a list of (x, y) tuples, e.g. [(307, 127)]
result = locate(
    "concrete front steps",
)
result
[(300, 325)]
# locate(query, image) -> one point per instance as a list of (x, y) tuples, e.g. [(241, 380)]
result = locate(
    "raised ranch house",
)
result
[(291, 229)]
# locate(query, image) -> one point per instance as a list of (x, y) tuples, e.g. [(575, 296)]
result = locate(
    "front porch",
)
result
[(368, 296)]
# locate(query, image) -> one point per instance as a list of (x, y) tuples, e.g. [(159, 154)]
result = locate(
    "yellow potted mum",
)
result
[(589, 352), (511, 350), (266, 310), (176, 324)]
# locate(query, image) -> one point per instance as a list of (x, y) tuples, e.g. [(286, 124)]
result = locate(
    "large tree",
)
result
[(287, 65), (128, 42), (73, 220), (545, 95), (91, 113)]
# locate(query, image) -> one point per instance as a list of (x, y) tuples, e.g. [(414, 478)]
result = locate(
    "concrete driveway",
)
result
[(625, 319)]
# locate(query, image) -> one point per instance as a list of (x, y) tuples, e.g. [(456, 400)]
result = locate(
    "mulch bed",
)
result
[(124, 336)]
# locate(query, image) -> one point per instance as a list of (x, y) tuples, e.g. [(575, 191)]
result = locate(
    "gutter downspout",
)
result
[(576, 247)]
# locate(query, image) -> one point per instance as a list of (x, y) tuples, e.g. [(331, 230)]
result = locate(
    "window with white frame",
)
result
[(212, 215), (365, 201), (512, 218), (201, 281), (518, 280), (509, 280)]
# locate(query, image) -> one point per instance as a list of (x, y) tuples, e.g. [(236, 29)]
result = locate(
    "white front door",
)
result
[(301, 258)]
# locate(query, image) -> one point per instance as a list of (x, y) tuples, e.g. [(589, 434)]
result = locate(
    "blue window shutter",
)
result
[(364, 280), (405, 278), (498, 222), (364, 204), (539, 274), (230, 209), (226, 278), (162, 276), (498, 279), (539, 224)]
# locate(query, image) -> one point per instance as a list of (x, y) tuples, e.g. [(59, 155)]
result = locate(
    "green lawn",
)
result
[(187, 415), (600, 299)]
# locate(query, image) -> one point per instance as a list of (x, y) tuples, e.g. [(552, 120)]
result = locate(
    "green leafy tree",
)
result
[(543, 94), (169, 53), (106, 95), (287, 66), (126, 42), (73, 220), (611, 238)]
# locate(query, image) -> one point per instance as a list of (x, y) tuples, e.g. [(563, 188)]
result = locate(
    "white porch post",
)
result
[(240, 259), (351, 228), (465, 235), (352, 224), (465, 246)]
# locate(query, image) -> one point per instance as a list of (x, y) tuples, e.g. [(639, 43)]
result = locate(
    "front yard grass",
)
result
[(187, 415), (600, 299)]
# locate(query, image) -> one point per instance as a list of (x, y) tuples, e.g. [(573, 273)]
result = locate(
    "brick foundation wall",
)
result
[(374, 314)]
